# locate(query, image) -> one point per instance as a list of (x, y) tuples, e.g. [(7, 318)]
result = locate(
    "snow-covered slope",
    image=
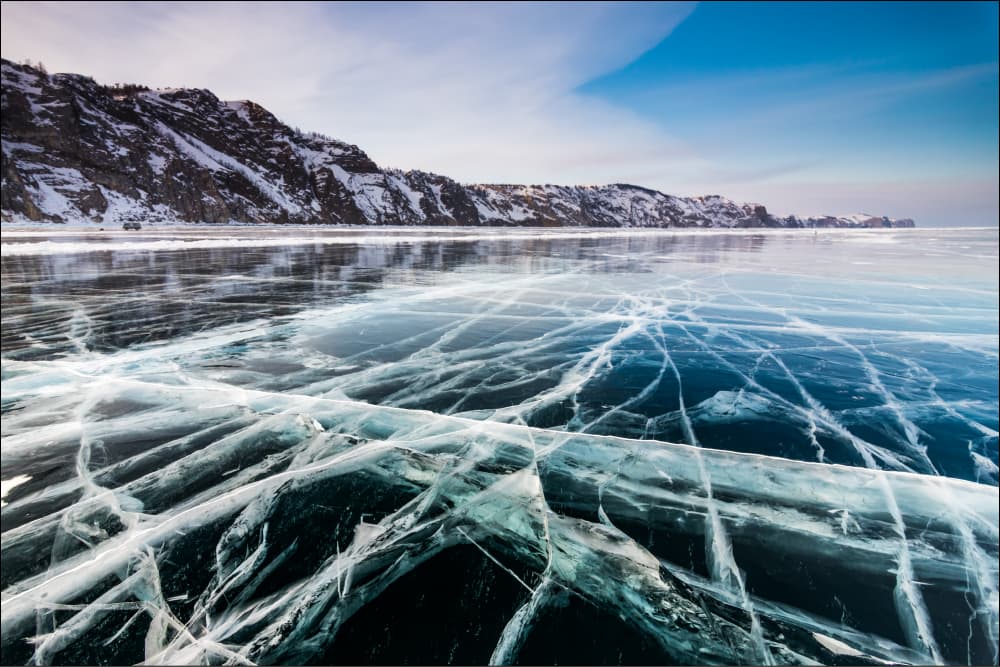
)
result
[(74, 150)]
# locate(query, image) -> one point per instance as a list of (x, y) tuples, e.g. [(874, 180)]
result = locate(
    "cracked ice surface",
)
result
[(291, 446)]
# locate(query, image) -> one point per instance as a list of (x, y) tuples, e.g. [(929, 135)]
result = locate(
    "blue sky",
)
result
[(811, 108), (834, 92), (890, 80)]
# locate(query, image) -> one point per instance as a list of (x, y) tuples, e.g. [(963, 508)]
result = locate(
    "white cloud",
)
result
[(481, 92)]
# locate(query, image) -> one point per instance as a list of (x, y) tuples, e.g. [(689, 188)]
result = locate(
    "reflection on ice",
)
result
[(8, 485), (658, 449)]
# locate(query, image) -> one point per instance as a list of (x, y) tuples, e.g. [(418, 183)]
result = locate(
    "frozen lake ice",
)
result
[(302, 445)]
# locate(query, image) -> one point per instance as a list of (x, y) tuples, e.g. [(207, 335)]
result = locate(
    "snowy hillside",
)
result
[(74, 151)]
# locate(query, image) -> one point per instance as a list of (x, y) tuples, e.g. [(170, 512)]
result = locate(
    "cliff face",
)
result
[(74, 151)]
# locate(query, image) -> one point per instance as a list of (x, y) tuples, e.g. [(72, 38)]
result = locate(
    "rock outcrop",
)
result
[(76, 151)]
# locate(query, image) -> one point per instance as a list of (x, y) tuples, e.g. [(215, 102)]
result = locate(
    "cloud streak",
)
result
[(480, 92)]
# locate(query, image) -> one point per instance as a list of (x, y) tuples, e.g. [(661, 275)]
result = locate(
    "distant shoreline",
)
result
[(57, 238), (505, 230)]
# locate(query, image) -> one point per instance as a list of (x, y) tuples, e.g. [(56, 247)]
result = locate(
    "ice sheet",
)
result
[(707, 449)]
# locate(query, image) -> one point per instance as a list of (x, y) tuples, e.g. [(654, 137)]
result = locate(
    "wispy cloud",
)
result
[(854, 94), (732, 109), (483, 92)]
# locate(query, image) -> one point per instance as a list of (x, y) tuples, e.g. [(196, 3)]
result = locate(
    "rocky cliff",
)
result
[(75, 151)]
